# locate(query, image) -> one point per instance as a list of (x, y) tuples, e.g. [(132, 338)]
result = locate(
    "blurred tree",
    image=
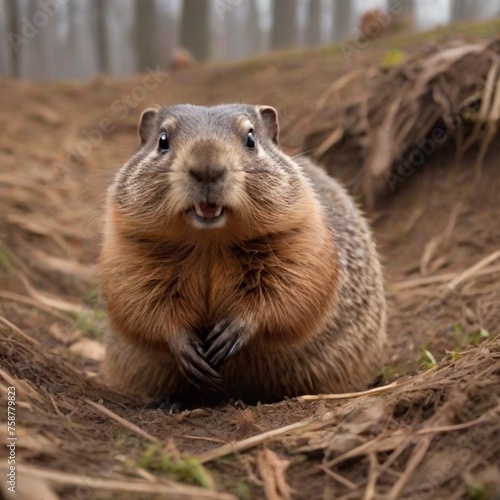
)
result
[(33, 59), (404, 18), (407, 9), (461, 10), (102, 32), (5, 67), (81, 50), (149, 53), (313, 27), (285, 27), (195, 28), (166, 30), (235, 40), (121, 26), (12, 24), (253, 34), (343, 23), (487, 10)]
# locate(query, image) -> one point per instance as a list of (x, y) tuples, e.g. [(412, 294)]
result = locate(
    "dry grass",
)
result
[(395, 115)]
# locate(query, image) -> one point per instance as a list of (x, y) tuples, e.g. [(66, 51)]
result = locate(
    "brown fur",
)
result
[(291, 278)]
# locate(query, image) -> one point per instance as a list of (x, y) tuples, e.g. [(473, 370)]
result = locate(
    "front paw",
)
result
[(194, 364), (170, 404), (225, 340)]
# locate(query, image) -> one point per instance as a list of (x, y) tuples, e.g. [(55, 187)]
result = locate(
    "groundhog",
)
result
[(230, 269)]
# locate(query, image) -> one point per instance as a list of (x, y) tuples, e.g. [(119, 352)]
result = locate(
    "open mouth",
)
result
[(206, 213)]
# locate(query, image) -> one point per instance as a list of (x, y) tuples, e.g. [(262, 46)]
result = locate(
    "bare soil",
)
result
[(434, 434)]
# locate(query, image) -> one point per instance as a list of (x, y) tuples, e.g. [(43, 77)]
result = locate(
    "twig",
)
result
[(379, 443), (385, 467), (272, 471), (250, 442), (201, 438), (341, 479), (34, 343), (170, 489), (125, 423), (347, 395), (16, 297), (337, 85), (54, 302), (472, 271), (431, 280), (15, 329), (372, 478), (65, 418), (21, 385), (459, 427), (414, 462)]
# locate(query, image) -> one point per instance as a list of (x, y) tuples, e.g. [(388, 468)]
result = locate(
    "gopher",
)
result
[(230, 269)]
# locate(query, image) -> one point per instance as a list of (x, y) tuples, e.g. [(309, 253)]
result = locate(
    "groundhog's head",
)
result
[(209, 168)]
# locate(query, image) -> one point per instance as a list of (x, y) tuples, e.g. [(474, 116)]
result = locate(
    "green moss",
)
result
[(477, 492), (427, 360), (486, 29), (456, 353), (464, 339), (187, 469), (242, 491), (391, 58), (91, 322), (93, 298), (388, 372), (479, 336), (483, 29)]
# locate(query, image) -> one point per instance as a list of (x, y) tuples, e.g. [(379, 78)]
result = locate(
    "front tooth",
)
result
[(198, 211), (218, 211)]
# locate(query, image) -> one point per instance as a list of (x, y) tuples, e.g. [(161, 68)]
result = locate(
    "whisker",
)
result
[(302, 154)]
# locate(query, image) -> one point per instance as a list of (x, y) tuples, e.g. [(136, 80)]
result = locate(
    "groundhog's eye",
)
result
[(250, 140), (163, 144)]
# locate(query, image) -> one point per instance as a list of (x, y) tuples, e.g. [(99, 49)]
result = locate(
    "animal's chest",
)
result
[(210, 283)]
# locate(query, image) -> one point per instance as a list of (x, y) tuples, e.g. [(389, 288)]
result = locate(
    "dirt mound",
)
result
[(403, 112), (430, 430)]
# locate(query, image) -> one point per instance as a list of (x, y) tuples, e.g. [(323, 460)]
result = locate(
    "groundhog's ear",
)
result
[(270, 118), (147, 123)]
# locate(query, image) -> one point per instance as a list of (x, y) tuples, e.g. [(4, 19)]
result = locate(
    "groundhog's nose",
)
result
[(209, 174)]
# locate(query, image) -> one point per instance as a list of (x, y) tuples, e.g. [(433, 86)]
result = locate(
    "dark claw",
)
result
[(202, 376), (195, 367), (218, 329), (167, 403), (225, 340)]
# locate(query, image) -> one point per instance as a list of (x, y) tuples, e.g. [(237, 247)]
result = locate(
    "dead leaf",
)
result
[(272, 471)]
